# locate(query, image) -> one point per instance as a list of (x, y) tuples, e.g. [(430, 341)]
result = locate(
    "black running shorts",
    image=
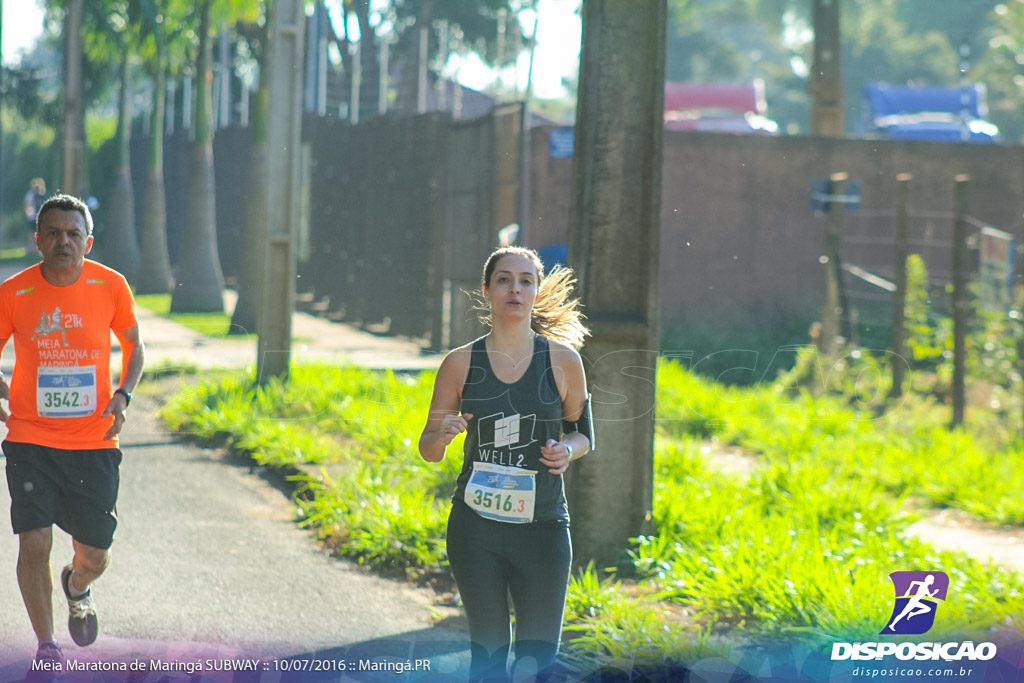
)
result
[(74, 489)]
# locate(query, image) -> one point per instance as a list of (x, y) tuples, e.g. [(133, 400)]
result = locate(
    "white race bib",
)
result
[(66, 392), (502, 493)]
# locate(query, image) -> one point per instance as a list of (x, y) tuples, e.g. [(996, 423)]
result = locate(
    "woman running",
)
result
[(520, 395)]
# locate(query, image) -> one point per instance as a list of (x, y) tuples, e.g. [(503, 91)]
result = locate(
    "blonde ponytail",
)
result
[(556, 315)]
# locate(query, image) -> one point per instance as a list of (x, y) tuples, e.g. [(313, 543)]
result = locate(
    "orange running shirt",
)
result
[(61, 382)]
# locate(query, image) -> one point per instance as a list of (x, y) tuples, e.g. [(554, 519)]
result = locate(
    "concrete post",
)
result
[(961, 300), (832, 304), (826, 82), (284, 165), (614, 226), (73, 146), (897, 340)]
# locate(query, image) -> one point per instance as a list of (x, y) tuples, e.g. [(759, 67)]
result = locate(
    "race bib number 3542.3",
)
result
[(504, 494), (66, 392)]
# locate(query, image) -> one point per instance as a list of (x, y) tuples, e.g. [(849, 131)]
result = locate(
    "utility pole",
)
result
[(965, 92), (72, 144), (3, 84), (284, 164), (382, 83), (525, 138), (826, 82), (614, 226)]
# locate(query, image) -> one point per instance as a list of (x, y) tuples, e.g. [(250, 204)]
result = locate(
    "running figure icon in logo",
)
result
[(917, 597)]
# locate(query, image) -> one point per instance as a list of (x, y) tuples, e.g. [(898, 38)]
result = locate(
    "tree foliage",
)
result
[(1001, 68), (897, 41)]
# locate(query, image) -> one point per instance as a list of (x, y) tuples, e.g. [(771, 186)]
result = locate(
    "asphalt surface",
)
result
[(210, 569)]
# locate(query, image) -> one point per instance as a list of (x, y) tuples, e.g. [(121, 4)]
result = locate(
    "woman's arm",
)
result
[(572, 385), (444, 422)]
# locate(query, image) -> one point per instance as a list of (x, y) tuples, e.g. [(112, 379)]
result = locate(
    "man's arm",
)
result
[(5, 388), (133, 358)]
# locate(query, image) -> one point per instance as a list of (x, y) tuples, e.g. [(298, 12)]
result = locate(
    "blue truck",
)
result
[(900, 112)]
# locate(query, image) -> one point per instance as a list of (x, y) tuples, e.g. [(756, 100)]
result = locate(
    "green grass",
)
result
[(902, 445), (796, 551), (211, 324), (13, 254), (18, 255), (799, 550)]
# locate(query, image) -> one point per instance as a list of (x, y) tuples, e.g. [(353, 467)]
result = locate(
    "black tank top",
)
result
[(502, 449)]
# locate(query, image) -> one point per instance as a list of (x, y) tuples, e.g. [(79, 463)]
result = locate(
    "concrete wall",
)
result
[(740, 245), (404, 211)]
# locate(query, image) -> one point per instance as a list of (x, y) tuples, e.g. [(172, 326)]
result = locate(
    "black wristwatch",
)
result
[(127, 396)]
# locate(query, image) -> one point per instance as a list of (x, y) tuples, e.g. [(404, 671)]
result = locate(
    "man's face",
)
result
[(62, 239)]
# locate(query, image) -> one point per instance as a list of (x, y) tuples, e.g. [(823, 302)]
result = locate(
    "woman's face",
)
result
[(513, 287)]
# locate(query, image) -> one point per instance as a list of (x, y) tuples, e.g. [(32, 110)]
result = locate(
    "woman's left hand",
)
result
[(555, 456)]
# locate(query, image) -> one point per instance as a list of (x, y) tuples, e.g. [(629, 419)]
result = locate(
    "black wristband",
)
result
[(127, 396)]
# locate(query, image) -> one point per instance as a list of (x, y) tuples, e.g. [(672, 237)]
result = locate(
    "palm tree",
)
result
[(121, 246), (155, 272), (109, 37), (243, 319), (199, 285)]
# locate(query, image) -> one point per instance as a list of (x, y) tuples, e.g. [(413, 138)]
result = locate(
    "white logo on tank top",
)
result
[(499, 431)]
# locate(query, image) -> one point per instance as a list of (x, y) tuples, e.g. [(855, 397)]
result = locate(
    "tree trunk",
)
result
[(341, 40), (200, 281), (121, 243), (243, 319), (154, 275), (408, 90), (369, 62)]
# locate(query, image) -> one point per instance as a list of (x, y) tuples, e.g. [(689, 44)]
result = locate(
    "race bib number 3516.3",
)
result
[(504, 494), (66, 392)]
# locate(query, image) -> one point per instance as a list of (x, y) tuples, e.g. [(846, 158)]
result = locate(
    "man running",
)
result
[(62, 446)]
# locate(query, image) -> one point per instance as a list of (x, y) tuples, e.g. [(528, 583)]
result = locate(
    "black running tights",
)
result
[(495, 561)]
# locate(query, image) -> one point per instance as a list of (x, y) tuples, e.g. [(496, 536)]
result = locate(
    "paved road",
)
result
[(210, 563)]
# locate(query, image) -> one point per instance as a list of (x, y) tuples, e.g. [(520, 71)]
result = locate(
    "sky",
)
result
[(23, 23), (557, 52)]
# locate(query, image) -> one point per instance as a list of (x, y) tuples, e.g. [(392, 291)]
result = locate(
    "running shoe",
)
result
[(82, 622), (50, 656), (48, 665)]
